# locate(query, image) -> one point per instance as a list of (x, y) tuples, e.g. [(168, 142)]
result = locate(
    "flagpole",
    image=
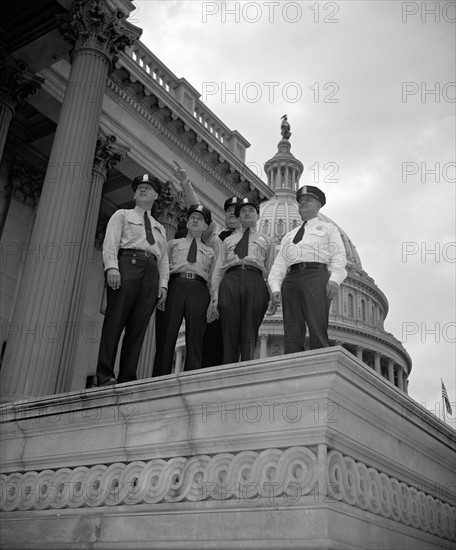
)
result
[(443, 400)]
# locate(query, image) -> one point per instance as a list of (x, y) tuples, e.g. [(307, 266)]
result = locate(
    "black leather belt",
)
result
[(308, 265), (188, 275), (245, 266), (136, 252)]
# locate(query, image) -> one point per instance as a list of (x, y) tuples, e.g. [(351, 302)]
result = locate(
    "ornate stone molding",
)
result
[(172, 138), (93, 25), (107, 154), (290, 475), (247, 475), (169, 209), (17, 82), (358, 485), (25, 183)]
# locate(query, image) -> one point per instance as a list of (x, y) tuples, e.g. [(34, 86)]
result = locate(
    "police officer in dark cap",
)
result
[(307, 273), (191, 264), (136, 266), (213, 345), (239, 288)]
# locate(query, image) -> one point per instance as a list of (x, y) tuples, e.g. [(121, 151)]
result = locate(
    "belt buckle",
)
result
[(190, 275), (304, 265)]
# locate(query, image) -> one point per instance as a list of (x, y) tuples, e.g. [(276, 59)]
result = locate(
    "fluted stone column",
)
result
[(17, 83), (106, 156), (263, 346), (359, 352), (400, 378), (33, 355), (146, 359), (377, 367), (405, 382), (391, 371)]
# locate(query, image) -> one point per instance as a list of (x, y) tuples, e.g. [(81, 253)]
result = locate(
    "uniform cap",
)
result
[(205, 212), (245, 202), (147, 178), (313, 191), (232, 201)]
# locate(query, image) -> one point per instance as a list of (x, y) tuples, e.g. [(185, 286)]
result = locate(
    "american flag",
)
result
[(445, 399)]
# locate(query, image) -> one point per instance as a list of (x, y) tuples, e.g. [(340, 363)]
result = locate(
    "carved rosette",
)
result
[(93, 25), (25, 183), (17, 82)]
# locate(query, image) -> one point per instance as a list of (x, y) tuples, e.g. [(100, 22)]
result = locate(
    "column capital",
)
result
[(95, 25), (25, 183), (17, 82), (108, 153), (169, 208)]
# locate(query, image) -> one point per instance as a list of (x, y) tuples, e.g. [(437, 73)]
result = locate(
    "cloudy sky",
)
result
[(368, 87)]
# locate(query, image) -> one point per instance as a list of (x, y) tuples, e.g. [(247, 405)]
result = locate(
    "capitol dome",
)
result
[(357, 314)]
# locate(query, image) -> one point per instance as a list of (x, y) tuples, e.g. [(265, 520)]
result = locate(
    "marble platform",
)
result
[(311, 450)]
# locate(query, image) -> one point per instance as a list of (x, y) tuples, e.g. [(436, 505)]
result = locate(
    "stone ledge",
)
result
[(313, 420)]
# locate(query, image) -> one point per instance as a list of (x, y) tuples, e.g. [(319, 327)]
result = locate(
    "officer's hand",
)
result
[(179, 172), (162, 294), (276, 299), (212, 313), (214, 305), (272, 308), (332, 289), (113, 278)]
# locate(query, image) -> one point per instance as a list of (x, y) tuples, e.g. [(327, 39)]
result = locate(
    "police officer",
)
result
[(307, 273), (191, 265), (239, 288), (136, 269), (213, 343)]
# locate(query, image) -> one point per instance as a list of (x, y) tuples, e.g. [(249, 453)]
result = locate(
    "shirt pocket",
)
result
[(207, 258), (136, 229)]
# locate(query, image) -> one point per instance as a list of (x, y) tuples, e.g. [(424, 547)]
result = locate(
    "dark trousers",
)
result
[(187, 299), (304, 301), (213, 344), (130, 308), (243, 301)]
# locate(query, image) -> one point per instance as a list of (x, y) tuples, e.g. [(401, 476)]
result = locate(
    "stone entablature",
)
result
[(188, 97), (200, 130)]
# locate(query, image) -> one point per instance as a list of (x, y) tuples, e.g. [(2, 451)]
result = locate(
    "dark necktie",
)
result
[(191, 256), (242, 247), (149, 236), (224, 234), (300, 234)]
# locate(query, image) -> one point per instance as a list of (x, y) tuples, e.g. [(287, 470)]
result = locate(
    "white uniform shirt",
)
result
[(261, 256), (126, 229), (321, 243), (178, 252)]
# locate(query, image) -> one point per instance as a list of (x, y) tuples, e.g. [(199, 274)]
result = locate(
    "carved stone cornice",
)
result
[(177, 141), (272, 476), (17, 82), (94, 25), (25, 183)]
